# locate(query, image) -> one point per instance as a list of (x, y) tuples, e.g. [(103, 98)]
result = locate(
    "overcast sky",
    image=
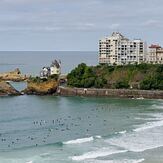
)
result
[(76, 24)]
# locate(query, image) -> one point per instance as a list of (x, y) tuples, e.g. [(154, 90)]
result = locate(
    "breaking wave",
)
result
[(79, 141), (82, 140), (116, 161), (144, 137), (98, 153), (149, 125)]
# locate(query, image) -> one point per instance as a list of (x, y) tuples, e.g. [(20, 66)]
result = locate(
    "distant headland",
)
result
[(125, 81)]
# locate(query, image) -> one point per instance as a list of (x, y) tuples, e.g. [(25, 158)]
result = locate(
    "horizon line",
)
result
[(48, 51)]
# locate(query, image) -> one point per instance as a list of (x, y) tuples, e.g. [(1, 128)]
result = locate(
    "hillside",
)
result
[(143, 76)]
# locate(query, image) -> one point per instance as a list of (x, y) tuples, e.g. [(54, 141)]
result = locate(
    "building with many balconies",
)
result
[(119, 50)]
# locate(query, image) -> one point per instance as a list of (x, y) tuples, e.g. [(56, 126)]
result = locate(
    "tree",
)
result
[(100, 82), (121, 84)]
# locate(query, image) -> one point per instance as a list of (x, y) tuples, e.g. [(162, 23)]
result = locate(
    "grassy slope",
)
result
[(135, 76)]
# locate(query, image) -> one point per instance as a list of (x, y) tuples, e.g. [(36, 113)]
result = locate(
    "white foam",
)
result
[(144, 137), (98, 137), (116, 161), (139, 141), (157, 122), (29, 162), (138, 161), (140, 98), (149, 125), (98, 153), (122, 132), (79, 141)]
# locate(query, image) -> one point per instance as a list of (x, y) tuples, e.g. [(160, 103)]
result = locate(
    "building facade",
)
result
[(54, 69), (155, 54), (118, 50)]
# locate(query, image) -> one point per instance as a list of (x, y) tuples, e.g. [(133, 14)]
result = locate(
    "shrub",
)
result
[(151, 82), (55, 77), (121, 84), (160, 69), (100, 82), (89, 82)]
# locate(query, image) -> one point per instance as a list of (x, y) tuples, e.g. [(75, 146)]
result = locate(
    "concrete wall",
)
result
[(123, 93)]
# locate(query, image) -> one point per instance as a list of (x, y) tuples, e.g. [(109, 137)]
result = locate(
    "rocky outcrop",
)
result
[(41, 88), (6, 89), (13, 76)]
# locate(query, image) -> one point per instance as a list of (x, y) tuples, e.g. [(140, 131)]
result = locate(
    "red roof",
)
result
[(155, 46)]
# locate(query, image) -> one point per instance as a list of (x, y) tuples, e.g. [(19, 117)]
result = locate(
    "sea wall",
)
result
[(122, 93)]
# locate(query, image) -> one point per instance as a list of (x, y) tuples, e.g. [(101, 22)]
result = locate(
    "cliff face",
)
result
[(41, 88), (6, 89), (13, 76)]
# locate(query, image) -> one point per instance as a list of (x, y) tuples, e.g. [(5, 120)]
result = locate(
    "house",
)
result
[(54, 69), (45, 72), (155, 54)]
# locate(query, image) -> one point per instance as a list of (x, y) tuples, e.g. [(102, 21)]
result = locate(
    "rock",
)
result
[(13, 76), (41, 88), (6, 89)]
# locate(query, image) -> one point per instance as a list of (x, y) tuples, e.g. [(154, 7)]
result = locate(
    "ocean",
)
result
[(54, 129)]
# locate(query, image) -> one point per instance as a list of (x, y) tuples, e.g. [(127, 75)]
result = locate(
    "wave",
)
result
[(139, 141), (121, 132), (82, 140), (146, 136), (116, 161), (98, 153), (157, 106), (98, 136), (79, 141), (149, 125)]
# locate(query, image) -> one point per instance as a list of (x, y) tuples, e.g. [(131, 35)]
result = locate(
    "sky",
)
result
[(76, 25)]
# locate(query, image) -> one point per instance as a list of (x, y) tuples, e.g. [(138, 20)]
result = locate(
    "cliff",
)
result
[(13, 76), (41, 87), (7, 90)]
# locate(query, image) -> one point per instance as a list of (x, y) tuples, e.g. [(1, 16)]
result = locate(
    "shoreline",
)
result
[(95, 92), (117, 93)]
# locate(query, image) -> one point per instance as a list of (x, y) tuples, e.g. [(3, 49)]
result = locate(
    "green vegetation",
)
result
[(154, 81), (121, 84), (142, 76), (84, 76), (41, 80)]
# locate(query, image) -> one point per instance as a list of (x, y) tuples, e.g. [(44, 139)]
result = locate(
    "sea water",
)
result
[(53, 129)]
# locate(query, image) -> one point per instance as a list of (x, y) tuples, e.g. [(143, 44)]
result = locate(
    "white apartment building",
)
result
[(155, 54), (119, 50)]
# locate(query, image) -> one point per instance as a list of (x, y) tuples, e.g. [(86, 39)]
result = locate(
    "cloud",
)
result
[(114, 26), (151, 23), (74, 18)]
